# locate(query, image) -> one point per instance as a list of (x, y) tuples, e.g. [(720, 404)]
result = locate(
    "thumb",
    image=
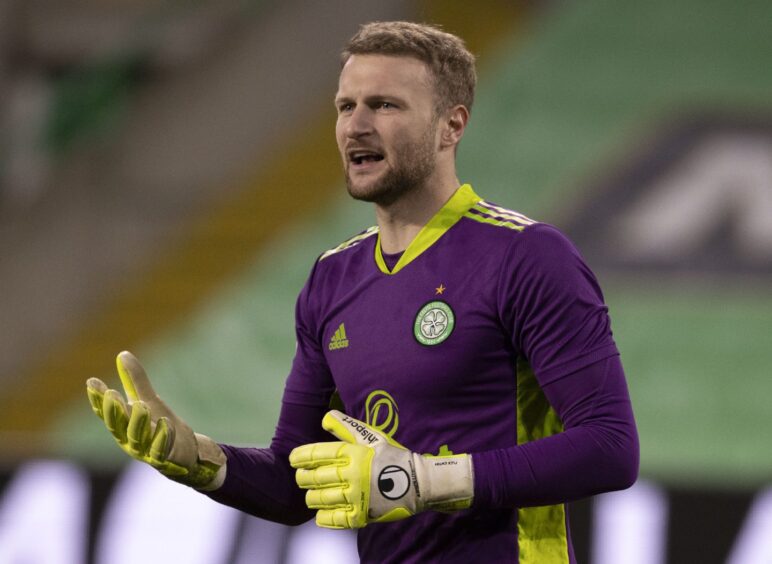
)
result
[(134, 379), (354, 431)]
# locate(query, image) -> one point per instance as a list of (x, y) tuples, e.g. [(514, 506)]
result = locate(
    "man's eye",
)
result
[(345, 108), (386, 105)]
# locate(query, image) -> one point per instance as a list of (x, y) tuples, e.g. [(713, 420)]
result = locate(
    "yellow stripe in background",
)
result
[(216, 248), (302, 178), (481, 24)]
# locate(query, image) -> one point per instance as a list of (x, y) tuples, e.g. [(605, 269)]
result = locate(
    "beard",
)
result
[(413, 163)]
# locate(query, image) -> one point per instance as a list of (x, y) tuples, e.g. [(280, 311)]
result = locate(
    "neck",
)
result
[(400, 222)]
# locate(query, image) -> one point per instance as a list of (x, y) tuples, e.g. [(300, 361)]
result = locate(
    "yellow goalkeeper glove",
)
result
[(370, 478), (148, 431)]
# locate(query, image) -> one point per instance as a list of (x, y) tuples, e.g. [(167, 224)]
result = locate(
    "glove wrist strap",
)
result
[(216, 482), (447, 482)]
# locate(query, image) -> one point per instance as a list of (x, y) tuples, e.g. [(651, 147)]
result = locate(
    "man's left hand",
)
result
[(370, 478)]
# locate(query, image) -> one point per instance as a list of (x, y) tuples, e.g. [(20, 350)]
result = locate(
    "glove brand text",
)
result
[(361, 428)]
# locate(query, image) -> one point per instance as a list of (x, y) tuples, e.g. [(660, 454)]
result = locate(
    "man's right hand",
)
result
[(148, 431)]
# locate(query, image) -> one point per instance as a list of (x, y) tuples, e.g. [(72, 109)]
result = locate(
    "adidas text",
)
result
[(339, 340)]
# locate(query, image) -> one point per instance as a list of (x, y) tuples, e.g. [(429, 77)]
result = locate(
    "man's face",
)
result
[(386, 126)]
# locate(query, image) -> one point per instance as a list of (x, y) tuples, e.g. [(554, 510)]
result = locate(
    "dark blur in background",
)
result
[(168, 174)]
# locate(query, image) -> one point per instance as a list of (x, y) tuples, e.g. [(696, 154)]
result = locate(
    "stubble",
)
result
[(412, 164)]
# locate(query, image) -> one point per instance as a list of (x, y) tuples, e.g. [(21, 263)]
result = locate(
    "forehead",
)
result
[(372, 75)]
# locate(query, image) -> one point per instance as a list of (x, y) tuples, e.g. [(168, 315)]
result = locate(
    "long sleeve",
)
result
[(597, 452), (553, 308), (260, 481)]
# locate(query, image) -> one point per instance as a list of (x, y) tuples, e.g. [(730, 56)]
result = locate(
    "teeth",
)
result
[(357, 157)]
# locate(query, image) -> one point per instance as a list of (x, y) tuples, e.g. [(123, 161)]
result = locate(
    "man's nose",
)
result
[(359, 122)]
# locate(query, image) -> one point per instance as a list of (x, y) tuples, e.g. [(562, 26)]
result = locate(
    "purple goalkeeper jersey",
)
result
[(487, 336)]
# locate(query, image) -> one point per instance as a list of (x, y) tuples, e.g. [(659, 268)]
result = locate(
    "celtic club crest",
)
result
[(434, 323)]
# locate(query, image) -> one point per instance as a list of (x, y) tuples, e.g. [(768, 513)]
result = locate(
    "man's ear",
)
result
[(453, 124)]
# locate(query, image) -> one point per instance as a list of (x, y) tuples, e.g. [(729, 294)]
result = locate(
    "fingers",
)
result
[(332, 473), (328, 476), (131, 426), (342, 426), (329, 498), (162, 440), (95, 390), (355, 431), (143, 440), (352, 430), (148, 431), (134, 378), (337, 519), (320, 465), (317, 454), (138, 429), (115, 415)]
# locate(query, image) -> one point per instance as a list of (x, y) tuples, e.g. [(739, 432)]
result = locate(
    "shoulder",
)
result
[(545, 243), (345, 261), (350, 243), (526, 247), (504, 233), (517, 229), (543, 256), (507, 232), (492, 215), (335, 268)]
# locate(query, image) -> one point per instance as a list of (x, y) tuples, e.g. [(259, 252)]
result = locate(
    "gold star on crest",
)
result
[(440, 290)]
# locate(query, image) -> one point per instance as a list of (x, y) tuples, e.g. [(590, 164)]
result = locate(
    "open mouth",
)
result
[(363, 157)]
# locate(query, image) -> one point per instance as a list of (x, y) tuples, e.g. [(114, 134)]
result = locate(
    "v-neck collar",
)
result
[(460, 203)]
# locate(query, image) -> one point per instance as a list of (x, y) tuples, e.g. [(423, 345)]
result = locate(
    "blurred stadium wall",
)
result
[(168, 175)]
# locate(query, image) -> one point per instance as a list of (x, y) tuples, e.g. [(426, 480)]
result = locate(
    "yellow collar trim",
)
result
[(460, 203)]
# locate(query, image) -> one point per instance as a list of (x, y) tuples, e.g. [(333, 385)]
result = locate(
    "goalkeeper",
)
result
[(466, 346)]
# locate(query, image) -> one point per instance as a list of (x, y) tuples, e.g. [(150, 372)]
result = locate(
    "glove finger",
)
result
[(95, 390), (318, 454), (322, 477), (134, 378), (162, 440), (171, 470), (354, 431), (115, 415), (337, 519), (138, 429), (327, 498)]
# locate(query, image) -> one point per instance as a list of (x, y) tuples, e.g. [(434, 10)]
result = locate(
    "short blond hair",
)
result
[(451, 65)]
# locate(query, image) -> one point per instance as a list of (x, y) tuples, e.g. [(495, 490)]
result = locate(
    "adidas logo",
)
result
[(339, 339)]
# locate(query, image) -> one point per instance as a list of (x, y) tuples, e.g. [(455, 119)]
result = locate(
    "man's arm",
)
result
[(260, 481), (356, 481), (597, 452), (554, 308), (149, 431)]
